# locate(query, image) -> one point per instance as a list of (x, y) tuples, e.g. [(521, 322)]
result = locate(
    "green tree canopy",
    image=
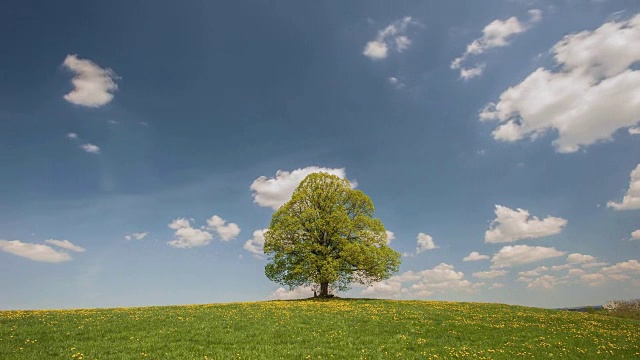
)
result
[(326, 235)]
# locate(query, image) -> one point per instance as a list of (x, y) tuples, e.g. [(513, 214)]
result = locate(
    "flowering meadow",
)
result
[(317, 329)]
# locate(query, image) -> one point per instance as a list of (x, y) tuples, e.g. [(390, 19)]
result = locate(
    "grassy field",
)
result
[(316, 329)]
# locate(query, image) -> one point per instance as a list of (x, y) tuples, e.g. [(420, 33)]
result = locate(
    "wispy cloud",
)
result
[(495, 34), (40, 252), (392, 37), (90, 148)]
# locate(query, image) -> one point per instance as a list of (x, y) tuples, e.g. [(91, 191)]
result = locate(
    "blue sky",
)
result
[(145, 148)]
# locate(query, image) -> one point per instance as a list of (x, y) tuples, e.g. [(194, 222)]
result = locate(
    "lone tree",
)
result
[(326, 235)]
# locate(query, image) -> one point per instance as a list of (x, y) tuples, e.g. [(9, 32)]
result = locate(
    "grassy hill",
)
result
[(315, 329)]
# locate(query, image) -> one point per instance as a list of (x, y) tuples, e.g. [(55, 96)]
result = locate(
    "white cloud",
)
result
[(561, 267), (90, 148), (546, 282), (592, 95), (495, 34), (186, 236), (424, 283), (297, 293), (393, 36), (274, 192), (576, 258), (389, 288), (635, 235), (71, 135), (136, 236), (576, 272), (594, 264), (226, 232), (424, 243), (35, 252), (513, 225), (594, 279), (490, 274), (634, 130), (470, 73), (535, 272), (496, 286), (475, 256), (390, 236), (440, 279), (256, 243), (65, 244), (93, 85), (631, 266), (631, 199), (523, 254)]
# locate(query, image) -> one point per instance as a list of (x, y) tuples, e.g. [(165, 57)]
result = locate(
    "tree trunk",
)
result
[(324, 289)]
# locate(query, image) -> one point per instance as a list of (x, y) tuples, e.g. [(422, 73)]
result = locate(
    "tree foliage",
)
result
[(326, 235)]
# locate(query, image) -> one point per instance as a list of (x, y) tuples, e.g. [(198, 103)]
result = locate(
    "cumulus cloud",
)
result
[(390, 236), (35, 252), (490, 274), (188, 237), (255, 245), (297, 293), (393, 37), (594, 279), (576, 272), (475, 256), (90, 148), (93, 85), (535, 272), (424, 243), (635, 235), (594, 93), (389, 288), (523, 254), (65, 244), (546, 282), (634, 131), (71, 135), (274, 192), (136, 236), (495, 34), (576, 258), (631, 266), (513, 225), (440, 279), (225, 231), (631, 199)]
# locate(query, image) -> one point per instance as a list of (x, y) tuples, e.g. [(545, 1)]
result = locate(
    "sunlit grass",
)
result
[(337, 328)]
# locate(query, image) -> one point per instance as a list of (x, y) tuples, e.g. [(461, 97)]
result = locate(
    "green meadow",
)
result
[(317, 329)]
